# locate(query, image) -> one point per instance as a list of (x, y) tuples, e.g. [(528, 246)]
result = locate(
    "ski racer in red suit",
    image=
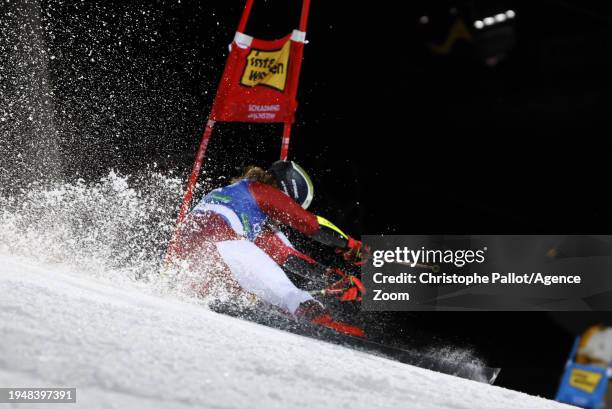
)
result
[(238, 226)]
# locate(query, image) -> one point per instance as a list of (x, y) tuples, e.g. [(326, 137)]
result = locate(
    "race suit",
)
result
[(240, 221)]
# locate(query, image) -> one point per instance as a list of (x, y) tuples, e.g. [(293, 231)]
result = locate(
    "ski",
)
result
[(278, 320)]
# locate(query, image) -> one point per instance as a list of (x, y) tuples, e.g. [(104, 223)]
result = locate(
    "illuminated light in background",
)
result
[(424, 19), (498, 18)]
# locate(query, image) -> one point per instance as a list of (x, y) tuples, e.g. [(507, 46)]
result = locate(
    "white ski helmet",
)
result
[(294, 181)]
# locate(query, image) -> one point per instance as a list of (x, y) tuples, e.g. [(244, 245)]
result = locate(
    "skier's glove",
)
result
[(348, 288), (356, 252), (355, 291)]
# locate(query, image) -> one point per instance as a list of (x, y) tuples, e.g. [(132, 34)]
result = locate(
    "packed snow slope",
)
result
[(123, 348)]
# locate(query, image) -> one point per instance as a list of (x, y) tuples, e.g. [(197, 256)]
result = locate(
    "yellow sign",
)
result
[(268, 68), (584, 380)]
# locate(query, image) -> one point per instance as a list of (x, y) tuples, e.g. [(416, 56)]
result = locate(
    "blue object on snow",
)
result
[(583, 385)]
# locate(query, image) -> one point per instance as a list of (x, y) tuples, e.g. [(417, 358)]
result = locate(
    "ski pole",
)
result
[(324, 291), (434, 268)]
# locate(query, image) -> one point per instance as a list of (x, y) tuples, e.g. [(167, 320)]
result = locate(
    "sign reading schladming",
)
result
[(485, 272)]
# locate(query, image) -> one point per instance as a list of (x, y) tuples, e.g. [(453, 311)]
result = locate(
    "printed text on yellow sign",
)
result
[(584, 380), (268, 68)]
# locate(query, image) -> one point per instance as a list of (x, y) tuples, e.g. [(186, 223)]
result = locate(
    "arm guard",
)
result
[(330, 235)]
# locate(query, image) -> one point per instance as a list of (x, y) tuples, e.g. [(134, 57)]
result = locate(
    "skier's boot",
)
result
[(312, 311)]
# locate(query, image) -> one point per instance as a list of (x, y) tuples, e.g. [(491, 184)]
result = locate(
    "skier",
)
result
[(236, 227)]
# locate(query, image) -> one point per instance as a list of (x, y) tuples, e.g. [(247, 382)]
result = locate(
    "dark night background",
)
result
[(505, 133)]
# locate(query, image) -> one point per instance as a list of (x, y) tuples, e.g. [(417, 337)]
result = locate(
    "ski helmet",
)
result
[(294, 181)]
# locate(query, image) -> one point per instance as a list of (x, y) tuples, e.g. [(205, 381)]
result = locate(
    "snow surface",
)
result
[(123, 348)]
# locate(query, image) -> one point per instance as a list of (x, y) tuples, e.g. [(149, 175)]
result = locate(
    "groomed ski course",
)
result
[(123, 348)]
